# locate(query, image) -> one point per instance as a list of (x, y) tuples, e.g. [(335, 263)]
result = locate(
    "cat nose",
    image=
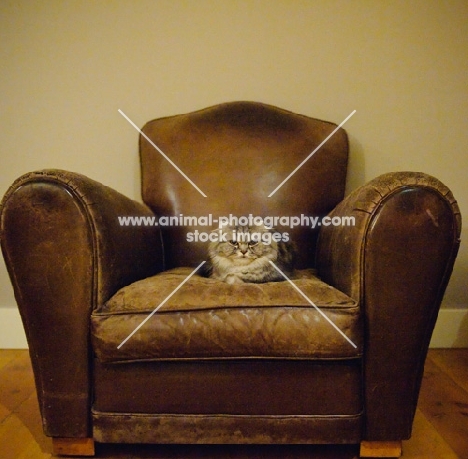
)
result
[(243, 251)]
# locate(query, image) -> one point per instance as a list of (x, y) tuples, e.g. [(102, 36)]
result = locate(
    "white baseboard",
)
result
[(11, 329), (451, 329)]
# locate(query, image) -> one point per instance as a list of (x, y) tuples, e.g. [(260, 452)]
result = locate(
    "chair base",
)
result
[(380, 449), (73, 446)]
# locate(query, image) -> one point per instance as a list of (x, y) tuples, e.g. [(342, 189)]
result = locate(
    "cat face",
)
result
[(242, 245), (243, 254)]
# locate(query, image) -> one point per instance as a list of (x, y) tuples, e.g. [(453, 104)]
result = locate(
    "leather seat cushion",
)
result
[(209, 319)]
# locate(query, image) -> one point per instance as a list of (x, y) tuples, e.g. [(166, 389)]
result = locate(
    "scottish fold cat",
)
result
[(242, 254)]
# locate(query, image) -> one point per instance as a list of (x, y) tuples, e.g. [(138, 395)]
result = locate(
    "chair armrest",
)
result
[(397, 261), (66, 253)]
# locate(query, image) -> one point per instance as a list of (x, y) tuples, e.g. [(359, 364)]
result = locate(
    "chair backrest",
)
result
[(237, 154)]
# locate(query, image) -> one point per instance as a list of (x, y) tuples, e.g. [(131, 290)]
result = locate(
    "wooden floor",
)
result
[(440, 429)]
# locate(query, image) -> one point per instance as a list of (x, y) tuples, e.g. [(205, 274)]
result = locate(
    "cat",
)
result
[(242, 254)]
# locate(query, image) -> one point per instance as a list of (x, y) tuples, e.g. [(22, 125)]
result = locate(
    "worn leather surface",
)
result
[(200, 293), (397, 260), (225, 429), (208, 318), (66, 254), (237, 387), (237, 154)]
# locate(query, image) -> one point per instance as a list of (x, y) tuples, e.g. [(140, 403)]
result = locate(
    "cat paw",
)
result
[(233, 279)]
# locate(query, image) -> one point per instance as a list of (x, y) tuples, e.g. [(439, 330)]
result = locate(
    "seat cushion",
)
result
[(209, 319)]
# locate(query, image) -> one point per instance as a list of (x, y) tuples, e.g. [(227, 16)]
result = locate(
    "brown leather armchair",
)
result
[(220, 363)]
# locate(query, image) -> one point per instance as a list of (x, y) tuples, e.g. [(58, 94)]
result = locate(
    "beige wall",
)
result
[(68, 66)]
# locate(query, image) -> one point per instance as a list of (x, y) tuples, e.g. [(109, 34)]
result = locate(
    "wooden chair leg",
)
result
[(380, 449), (73, 446)]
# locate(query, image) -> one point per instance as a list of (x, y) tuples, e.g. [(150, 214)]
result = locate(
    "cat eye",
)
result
[(234, 243), (253, 243)]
